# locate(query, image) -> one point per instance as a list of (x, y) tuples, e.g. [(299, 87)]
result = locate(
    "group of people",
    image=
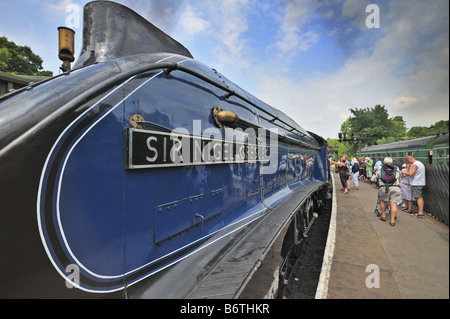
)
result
[(368, 169), (346, 169), (410, 181), (395, 185)]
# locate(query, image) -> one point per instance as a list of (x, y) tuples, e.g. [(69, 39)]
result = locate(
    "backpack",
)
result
[(388, 175)]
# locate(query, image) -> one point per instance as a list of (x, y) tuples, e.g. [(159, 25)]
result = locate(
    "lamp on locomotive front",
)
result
[(66, 46)]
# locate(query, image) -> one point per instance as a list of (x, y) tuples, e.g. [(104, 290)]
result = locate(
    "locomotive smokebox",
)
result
[(66, 48)]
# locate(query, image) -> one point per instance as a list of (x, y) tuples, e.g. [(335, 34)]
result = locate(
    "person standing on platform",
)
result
[(405, 189), (369, 169), (349, 171), (355, 173), (362, 169), (388, 178), (342, 170), (417, 182), (376, 167)]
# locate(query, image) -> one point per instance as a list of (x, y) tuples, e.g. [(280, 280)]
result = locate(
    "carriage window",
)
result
[(440, 156)]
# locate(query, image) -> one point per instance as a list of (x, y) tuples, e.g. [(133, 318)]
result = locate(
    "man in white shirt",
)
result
[(417, 182)]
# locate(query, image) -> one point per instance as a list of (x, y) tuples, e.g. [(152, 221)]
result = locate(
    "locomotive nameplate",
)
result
[(153, 149)]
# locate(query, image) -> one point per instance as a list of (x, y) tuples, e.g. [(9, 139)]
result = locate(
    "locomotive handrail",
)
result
[(229, 118), (30, 86), (281, 137)]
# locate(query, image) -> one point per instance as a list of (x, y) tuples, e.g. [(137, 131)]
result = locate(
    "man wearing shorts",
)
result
[(417, 182), (390, 194)]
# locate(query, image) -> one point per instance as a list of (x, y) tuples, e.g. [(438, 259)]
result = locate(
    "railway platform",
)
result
[(366, 258)]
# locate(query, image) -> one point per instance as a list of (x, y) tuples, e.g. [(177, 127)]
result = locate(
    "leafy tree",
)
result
[(399, 128), (372, 125), (385, 140), (341, 148), (16, 59), (419, 131), (440, 127)]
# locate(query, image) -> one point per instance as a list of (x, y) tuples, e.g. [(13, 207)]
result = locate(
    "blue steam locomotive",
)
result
[(142, 173)]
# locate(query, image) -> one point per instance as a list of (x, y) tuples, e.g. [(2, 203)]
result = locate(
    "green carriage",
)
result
[(428, 150)]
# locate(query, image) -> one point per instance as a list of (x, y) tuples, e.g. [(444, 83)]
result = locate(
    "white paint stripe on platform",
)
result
[(322, 287)]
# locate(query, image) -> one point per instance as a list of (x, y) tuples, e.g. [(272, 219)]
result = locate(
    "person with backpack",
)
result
[(388, 177)]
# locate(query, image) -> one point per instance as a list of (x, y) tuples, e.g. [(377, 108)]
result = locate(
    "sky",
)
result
[(312, 59)]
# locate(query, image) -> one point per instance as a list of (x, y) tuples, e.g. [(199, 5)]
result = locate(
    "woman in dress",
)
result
[(405, 189)]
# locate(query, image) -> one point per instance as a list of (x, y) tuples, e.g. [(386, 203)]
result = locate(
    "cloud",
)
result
[(355, 10), (162, 13), (404, 65), (191, 22), (292, 37), (224, 24), (233, 25), (57, 10), (403, 102)]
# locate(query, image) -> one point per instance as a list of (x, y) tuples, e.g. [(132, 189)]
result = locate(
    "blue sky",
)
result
[(314, 60)]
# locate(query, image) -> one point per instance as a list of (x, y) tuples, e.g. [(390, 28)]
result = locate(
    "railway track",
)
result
[(304, 280)]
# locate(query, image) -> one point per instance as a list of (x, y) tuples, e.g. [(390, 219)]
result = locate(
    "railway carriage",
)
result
[(142, 173), (440, 150), (428, 150)]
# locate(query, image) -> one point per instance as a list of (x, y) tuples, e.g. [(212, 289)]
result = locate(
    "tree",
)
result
[(419, 131), (440, 127), (340, 148), (398, 128), (16, 59), (371, 125)]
